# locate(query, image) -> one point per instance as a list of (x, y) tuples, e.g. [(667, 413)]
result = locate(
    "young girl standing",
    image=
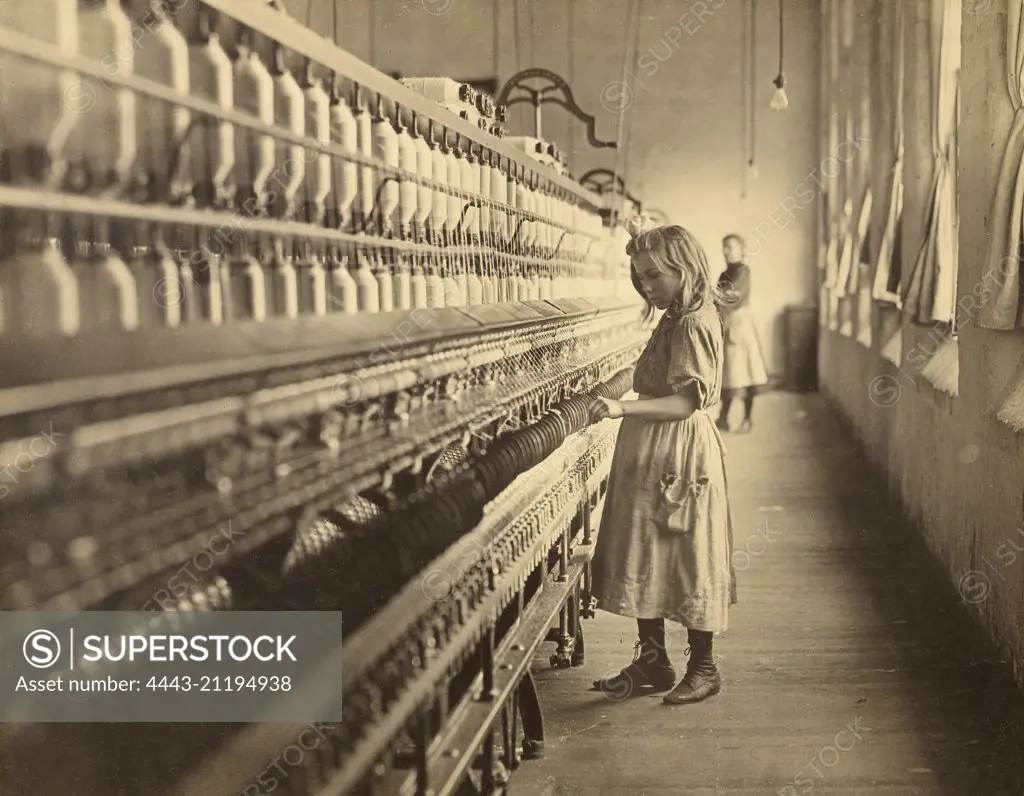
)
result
[(664, 551), (743, 371)]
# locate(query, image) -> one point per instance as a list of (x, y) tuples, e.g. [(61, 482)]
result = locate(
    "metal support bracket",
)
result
[(556, 92)]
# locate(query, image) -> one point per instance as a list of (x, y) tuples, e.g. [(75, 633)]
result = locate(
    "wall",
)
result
[(957, 470), (686, 152)]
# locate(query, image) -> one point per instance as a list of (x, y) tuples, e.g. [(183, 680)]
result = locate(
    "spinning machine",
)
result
[(278, 332)]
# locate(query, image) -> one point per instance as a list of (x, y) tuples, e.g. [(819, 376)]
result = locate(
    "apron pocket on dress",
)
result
[(685, 504)]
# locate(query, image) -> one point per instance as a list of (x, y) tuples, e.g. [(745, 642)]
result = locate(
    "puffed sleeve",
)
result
[(695, 353)]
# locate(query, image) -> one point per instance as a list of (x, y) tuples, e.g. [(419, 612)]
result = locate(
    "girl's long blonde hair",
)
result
[(675, 249)]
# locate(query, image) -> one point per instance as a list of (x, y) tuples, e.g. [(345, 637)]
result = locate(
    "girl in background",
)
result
[(664, 551), (743, 370)]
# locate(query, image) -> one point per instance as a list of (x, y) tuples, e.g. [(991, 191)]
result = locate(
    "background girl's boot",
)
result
[(651, 668), (702, 679)]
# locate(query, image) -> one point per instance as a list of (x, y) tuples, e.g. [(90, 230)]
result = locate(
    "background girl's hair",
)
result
[(735, 237), (676, 249)]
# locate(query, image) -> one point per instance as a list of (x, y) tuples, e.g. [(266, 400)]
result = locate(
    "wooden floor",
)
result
[(851, 666)]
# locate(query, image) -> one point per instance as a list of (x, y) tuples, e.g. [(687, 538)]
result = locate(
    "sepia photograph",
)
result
[(490, 397)]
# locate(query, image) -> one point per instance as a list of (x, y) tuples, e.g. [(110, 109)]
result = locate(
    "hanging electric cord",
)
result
[(621, 124), (628, 140), (744, 91), (495, 41), (570, 35), (518, 51), (532, 33), (515, 25), (627, 96), (373, 26), (782, 42), (752, 106), (779, 99)]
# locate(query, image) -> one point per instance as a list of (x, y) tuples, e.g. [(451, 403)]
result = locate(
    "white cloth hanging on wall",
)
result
[(931, 293), (887, 245), (887, 252), (857, 168), (831, 275), (1003, 309), (830, 214), (857, 244), (847, 255), (832, 259)]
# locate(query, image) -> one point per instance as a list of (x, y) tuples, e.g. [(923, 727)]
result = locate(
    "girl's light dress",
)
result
[(744, 366), (643, 568)]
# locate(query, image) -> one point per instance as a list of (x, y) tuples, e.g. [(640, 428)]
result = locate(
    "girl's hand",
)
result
[(603, 408)]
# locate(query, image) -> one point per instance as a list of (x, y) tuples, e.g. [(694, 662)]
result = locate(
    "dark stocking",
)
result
[(723, 416), (652, 637)]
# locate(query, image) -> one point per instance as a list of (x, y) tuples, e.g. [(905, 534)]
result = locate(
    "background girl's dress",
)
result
[(640, 570), (744, 363)]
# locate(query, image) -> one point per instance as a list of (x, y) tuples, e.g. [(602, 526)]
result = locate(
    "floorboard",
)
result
[(851, 666)]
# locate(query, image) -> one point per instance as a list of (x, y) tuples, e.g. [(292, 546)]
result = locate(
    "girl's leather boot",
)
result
[(702, 679), (651, 669)]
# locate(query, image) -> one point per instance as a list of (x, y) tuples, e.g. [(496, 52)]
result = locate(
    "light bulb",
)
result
[(779, 99), (752, 171)]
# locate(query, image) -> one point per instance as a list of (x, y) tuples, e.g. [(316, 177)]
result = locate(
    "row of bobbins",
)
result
[(397, 549), (206, 589), (425, 530)]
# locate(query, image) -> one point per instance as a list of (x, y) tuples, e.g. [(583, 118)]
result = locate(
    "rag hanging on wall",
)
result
[(1004, 308), (930, 293), (889, 258)]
